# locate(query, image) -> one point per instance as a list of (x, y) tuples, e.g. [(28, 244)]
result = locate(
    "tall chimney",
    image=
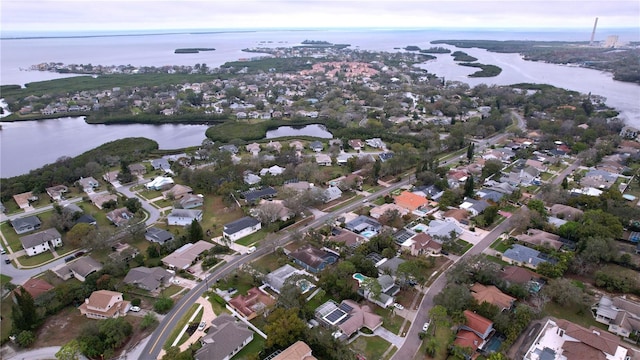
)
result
[(593, 33)]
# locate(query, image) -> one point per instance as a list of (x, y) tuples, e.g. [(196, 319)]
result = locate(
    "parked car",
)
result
[(7, 261), (69, 258), (135, 308), (79, 253), (2, 251), (398, 306), (202, 325), (425, 327)]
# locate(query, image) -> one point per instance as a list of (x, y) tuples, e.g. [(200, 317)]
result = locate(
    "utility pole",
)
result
[(593, 33)]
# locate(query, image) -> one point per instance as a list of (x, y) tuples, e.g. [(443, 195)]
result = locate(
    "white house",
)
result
[(240, 228), (332, 193), (159, 183), (42, 241), (104, 304), (183, 217)]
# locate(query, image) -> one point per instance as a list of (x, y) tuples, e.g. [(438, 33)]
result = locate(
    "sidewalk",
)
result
[(207, 316)]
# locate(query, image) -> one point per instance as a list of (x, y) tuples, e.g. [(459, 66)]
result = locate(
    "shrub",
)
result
[(136, 302), (163, 305), (148, 320), (26, 338)]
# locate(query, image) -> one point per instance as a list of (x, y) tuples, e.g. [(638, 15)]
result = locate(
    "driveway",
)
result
[(389, 336)]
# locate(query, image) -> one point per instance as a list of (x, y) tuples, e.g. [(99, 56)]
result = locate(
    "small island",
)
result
[(463, 56), (412, 48), (436, 50), (320, 44), (192, 50), (485, 70)]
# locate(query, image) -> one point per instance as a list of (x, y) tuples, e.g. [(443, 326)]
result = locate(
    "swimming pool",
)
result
[(304, 285), (359, 277), (369, 234), (494, 344), (420, 227)]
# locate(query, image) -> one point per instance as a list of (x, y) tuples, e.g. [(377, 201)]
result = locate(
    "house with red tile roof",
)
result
[(252, 304), (410, 201), (475, 332)]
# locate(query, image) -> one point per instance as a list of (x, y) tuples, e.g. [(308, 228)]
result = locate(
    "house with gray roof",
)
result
[(622, 315), (25, 224), (161, 164), (186, 255), (255, 195), (183, 217), (522, 255), (88, 184), (252, 179), (79, 268), (240, 228), (148, 278), (363, 223), (157, 235), (229, 148), (390, 266), (490, 195), (312, 259), (316, 146), (440, 229), (225, 338), (475, 207), (41, 241), (191, 201), (332, 193), (276, 279), (120, 217)]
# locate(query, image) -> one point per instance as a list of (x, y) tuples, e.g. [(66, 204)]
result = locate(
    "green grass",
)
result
[(372, 347), (320, 298), (150, 194), (180, 326), (545, 176), (217, 307), (253, 238), (497, 260), (583, 318), (12, 238), (391, 321), (6, 324), (270, 262), (501, 246), (186, 336), (162, 203), (65, 249), (172, 290), (35, 260), (5, 279), (443, 334), (242, 281), (254, 347)]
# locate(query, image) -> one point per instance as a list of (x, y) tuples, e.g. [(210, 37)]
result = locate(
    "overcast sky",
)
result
[(110, 15)]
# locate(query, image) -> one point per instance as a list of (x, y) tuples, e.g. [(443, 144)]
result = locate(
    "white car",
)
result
[(398, 306), (425, 327), (202, 325), (135, 308)]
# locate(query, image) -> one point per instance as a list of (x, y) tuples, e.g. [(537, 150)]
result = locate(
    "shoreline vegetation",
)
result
[(621, 62), (485, 70), (192, 50)]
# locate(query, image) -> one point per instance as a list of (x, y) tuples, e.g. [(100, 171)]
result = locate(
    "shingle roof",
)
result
[(491, 295), (39, 238), (240, 224), (147, 278), (259, 194), (224, 336), (32, 221), (158, 235)]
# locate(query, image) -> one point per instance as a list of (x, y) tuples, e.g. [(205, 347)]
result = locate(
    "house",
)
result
[(389, 266), (541, 238), (385, 156), (275, 170), (230, 148), (25, 224), (522, 255), (376, 143), (41, 241), (356, 144), (160, 164), (422, 244), (489, 195), (255, 195), (297, 145), (298, 185), (347, 238), (35, 287), (24, 200), (137, 169), (148, 278), (191, 201), (253, 148), (183, 217), (104, 304), (79, 268), (177, 192), (225, 338), (316, 146), (378, 211), (629, 132), (362, 224), (159, 183), (518, 275), (277, 278), (56, 192), (120, 217), (538, 165), (475, 207), (100, 200), (281, 212), (297, 351), (274, 145), (599, 179), (252, 304), (332, 193), (492, 295), (240, 228), (562, 339), (459, 215), (312, 259), (441, 229), (430, 192), (475, 332), (157, 235), (410, 201), (251, 179), (620, 314), (388, 289), (348, 317), (323, 160), (88, 184), (186, 255)]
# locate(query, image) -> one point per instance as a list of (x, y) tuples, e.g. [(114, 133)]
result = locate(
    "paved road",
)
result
[(154, 213), (412, 341), (161, 334), (45, 353)]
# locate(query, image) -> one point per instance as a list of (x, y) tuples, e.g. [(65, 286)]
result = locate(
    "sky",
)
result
[(80, 16)]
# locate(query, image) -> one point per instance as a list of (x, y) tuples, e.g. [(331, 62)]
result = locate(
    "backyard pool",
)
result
[(304, 285), (359, 277), (369, 234), (494, 344), (420, 228)]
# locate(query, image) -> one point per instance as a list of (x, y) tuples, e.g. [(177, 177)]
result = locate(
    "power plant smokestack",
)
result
[(593, 33)]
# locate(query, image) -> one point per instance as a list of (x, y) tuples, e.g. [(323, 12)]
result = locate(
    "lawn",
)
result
[(172, 290), (320, 298), (241, 281), (4, 279), (391, 321), (545, 176), (186, 335), (12, 238), (583, 318), (254, 347), (6, 323), (217, 213), (176, 331), (270, 262), (497, 260), (443, 335), (65, 249), (150, 194), (216, 306), (253, 239), (500, 245), (35, 260), (162, 203), (371, 347)]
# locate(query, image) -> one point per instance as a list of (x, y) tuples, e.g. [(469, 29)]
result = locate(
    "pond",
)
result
[(313, 130)]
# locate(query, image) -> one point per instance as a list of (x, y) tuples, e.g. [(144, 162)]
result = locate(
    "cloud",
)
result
[(79, 16)]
